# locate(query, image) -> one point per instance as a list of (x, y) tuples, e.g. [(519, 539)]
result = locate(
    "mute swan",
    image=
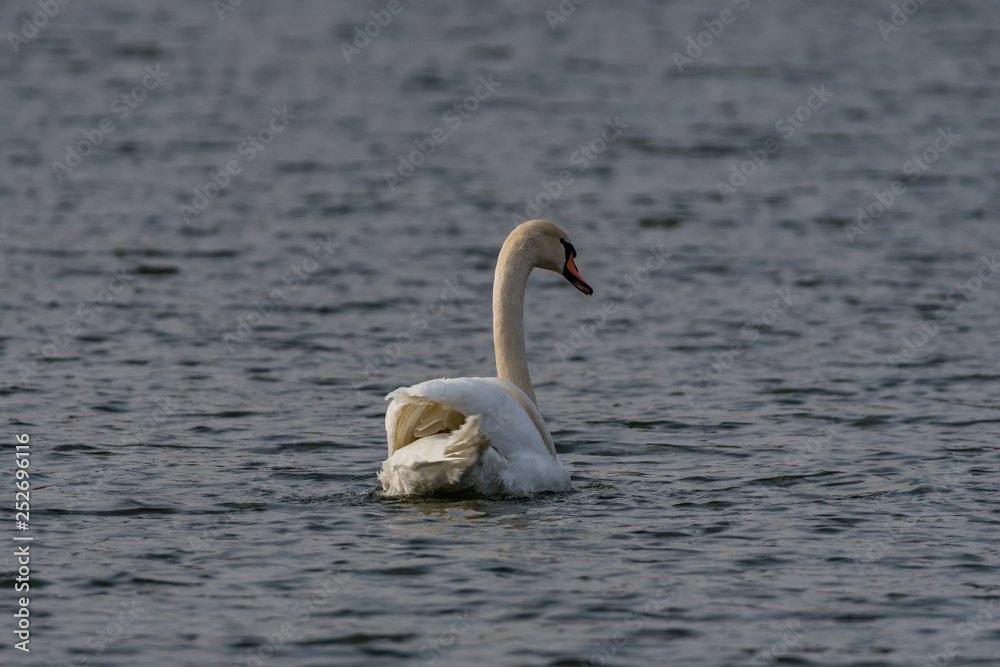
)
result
[(484, 434)]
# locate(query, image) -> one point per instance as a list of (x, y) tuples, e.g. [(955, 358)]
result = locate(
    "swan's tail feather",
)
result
[(447, 459)]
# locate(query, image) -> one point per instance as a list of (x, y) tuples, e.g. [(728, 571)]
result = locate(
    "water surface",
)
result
[(782, 432)]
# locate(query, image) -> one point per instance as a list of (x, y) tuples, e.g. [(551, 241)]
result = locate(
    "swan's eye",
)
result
[(570, 250)]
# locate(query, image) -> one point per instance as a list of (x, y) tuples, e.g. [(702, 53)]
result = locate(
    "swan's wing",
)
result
[(439, 463), (530, 408), (509, 417)]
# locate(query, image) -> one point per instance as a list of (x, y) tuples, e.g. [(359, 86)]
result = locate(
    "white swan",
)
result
[(484, 434)]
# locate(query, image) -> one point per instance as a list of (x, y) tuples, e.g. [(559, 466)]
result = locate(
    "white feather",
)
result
[(502, 445)]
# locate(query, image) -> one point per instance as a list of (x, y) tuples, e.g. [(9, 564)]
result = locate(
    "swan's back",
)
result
[(449, 432)]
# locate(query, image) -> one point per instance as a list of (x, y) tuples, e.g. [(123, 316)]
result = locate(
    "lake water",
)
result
[(780, 409)]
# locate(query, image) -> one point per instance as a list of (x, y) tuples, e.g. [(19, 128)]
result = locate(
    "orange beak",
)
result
[(572, 274)]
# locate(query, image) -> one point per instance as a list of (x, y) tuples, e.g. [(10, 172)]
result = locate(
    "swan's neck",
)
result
[(513, 266)]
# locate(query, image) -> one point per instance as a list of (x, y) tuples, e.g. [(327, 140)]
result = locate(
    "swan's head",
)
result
[(553, 251)]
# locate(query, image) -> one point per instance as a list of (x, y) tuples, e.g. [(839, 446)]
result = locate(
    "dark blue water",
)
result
[(781, 408)]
